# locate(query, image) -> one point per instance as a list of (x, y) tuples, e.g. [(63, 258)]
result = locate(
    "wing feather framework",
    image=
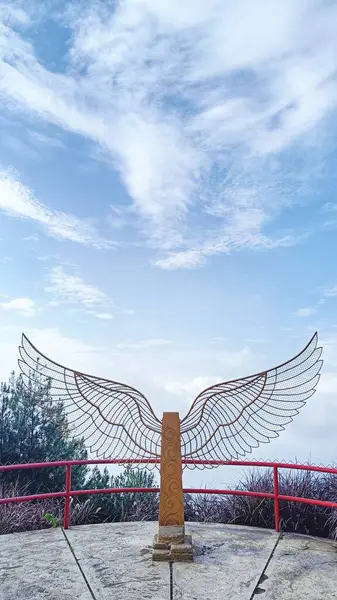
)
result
[(115, 420), (228, 420)]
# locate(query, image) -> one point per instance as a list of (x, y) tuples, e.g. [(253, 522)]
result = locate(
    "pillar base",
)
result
[(176, 550), (171, 533)]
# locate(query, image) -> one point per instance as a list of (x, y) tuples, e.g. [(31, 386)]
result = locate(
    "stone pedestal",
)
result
[(175, 551), (171, 543)]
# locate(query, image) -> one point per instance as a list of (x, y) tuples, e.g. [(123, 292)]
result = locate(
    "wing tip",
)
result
[(24, 339), (313, 340), (23, 343), (315, 337)]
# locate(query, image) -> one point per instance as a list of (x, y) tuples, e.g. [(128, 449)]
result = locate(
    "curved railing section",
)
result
[(68, 493)]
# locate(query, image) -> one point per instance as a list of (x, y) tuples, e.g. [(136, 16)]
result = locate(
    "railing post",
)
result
[(67, 498), (276, 500)]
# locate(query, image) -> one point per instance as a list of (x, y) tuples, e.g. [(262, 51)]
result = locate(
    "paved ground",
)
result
[(113, 562)]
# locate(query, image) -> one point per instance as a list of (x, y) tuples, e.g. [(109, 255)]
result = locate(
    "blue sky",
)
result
[(167, 194)]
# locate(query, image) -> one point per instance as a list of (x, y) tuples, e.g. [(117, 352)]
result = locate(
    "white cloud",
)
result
[(31, 238), (188, 259), (330, 292), (23, 306), (71, 289), (234, 359), (191, 388), (328, 384), (194, 106), (305, 312), (234, 239), (17, 200), (41, 139), (103, 316)]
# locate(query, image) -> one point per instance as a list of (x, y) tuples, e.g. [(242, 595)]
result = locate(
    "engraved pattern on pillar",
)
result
[(171, 507)]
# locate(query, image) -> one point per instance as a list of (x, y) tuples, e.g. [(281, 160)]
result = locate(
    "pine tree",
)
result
[(98, 480), (124, 506), (34, 428)]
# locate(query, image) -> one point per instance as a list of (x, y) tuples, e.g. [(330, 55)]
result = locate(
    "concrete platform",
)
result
[(113, 561)]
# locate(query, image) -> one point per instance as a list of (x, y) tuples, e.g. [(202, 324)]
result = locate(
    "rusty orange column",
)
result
[(171, 504)]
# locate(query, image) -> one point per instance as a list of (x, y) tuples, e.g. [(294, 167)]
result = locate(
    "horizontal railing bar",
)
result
[(75, 463), (248, 493), (308, 501), (115, 491), (254, 463), (132, 491), (123, 461), (32, 497), (229, 492)]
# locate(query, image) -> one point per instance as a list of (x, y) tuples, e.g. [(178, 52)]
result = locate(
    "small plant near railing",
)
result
[(30, 516), (51, 520)]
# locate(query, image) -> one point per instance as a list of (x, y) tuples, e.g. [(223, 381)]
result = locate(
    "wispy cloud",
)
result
[(17, 200), (234, 239), (195, 106), (39, 139), (191, 388), (330, 292), (23, 306), (305, 312), (67, 288), (31, 238), (103, 316)]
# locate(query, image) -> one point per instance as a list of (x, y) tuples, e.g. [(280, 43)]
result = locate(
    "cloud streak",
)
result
[(23, 306), (17, 200), (305, 312), (67, 288), (330, 292)]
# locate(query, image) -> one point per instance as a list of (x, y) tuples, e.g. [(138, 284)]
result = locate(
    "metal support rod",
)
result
[(276, 500), (67, 497)]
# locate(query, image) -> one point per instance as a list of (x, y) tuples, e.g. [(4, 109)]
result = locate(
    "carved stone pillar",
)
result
[(171, 542), (171, 506)]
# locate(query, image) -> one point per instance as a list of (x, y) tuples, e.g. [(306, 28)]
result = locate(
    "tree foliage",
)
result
[(126, 506), (33, 428)]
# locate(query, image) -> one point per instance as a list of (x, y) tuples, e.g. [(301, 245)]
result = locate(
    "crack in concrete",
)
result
[(79, 566), (257, 589)]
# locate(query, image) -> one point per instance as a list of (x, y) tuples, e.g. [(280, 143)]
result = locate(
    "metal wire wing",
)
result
[(228, 420), (115, 420)]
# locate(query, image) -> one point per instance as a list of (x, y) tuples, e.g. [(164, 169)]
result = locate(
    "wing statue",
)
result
[(114, 419), (226, 421)]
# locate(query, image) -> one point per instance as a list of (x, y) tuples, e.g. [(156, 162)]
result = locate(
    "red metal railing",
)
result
[(68, 493)]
